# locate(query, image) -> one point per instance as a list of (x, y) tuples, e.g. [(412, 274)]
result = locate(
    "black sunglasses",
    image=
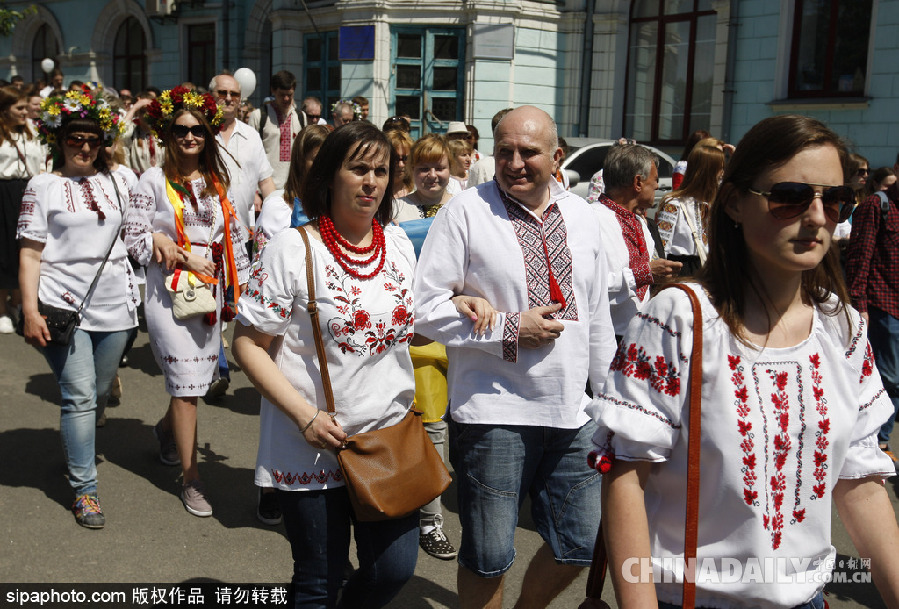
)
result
[(181, 131), (862, 171), (787, 200), (76, 141)]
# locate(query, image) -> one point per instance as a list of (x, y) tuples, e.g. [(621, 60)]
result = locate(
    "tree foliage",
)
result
[(9, 18)]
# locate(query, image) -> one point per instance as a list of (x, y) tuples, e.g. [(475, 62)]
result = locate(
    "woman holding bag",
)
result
[(182, 227), (791, 400), (362, 268), (72, 258)]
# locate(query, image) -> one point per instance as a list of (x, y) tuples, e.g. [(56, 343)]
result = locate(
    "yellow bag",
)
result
[(430, 380)]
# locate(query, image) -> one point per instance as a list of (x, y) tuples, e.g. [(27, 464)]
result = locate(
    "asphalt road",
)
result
[(149, 538)]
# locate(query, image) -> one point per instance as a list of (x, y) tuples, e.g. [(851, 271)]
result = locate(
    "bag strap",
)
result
[(697, 241), (312, 309), (597, 575), (115, 238)]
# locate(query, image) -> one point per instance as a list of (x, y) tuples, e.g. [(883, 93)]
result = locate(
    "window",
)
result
[(671, 58), (200, 53), (829, 57), (427, 77), (43, 46), (129, 60), (321, 70)]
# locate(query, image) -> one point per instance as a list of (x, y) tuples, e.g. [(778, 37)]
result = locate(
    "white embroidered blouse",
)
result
[(64, 215), (366, 330), (780, 426), (674, 219)]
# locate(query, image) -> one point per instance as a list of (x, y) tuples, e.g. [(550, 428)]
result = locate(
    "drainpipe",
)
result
[(729, 85), (586, 70)]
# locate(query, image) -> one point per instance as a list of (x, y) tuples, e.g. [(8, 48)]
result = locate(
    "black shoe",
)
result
[(268, 510), (435, 543)]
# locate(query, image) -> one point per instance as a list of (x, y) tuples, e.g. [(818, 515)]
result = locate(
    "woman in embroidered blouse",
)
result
[(68, 222), (21, 158), (430, 169), (683, 214), (365, 303), (181, 220), (791, 401)]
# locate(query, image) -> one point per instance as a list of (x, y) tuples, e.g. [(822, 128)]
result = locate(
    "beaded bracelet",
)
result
[(309, 424)]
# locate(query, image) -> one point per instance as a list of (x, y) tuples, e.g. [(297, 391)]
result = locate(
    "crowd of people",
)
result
[(525, 323)]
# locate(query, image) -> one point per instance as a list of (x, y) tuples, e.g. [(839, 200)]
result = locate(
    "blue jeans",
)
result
[(883, 333), (498, 466), (84, 370), (318, 527), (816, 603)]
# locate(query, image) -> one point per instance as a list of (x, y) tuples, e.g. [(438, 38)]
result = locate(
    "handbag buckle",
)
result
[(190, 294)]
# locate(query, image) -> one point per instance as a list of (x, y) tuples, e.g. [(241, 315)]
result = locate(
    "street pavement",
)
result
[(149, 538)]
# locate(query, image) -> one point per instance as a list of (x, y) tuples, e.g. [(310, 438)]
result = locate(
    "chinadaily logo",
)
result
[(767, 570)]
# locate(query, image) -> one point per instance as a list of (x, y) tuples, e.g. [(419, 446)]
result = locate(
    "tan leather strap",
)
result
[(312, 309), (596, 578)]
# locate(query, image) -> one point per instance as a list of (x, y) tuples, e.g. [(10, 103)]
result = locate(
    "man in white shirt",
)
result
[(519, 420), (631, 176), (242, 152), (278, 123)]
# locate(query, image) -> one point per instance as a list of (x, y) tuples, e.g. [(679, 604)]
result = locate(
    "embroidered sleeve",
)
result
[(276, 280), (511, 325), (241, 257), (597, 187), (666, 220), (864, 458), (643, 399), (33, 213), (139, 220)]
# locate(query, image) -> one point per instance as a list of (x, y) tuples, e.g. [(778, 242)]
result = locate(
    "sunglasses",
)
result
[(787, 200), (181, 131), (862, 171), (223, 93), (76, 141)]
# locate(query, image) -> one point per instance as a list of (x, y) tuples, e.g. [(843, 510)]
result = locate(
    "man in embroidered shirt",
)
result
[(278, 124), (518, 413), (872, 268), (631, 176)]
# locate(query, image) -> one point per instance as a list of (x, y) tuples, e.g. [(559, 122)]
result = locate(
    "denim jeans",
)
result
[(883, 333), (84, 370), (497, 466), (318, 527)]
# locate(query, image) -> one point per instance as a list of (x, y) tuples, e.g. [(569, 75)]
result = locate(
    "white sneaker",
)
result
[(6, 325)]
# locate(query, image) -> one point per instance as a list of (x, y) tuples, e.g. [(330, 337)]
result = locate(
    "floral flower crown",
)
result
[(161, 111), (357, 109), (78, 104)]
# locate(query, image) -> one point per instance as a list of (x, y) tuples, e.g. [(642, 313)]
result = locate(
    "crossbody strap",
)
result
[(312, 309), (697, 240), (115, 237), (597, 575)]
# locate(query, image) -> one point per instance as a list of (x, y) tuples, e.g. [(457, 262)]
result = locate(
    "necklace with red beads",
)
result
[(334, 241)]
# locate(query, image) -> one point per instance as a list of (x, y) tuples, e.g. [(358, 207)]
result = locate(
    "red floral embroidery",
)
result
[(747, 444), (782, 444), (361, 320), (821, 441), (633, 361), (868, 364)]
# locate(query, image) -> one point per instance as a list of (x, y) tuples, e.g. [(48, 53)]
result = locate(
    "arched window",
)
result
[(43, 46), (671, 59), (129, 57)]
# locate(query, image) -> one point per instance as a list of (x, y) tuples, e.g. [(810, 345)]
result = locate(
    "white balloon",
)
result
[(247, 79), (47, 64)]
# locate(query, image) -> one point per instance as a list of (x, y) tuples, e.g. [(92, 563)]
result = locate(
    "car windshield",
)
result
[(590, 160)]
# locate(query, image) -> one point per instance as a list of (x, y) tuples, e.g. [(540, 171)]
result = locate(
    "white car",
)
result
[(586, 156)]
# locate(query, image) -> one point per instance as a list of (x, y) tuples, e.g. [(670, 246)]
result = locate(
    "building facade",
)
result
[(654, 70)]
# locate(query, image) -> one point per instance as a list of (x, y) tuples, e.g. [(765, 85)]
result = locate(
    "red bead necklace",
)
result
[(334, 241)]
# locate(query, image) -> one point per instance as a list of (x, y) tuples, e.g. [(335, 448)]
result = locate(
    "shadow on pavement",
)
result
[(38, 453)]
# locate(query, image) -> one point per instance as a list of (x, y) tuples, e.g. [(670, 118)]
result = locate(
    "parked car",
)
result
[(586, 156)]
